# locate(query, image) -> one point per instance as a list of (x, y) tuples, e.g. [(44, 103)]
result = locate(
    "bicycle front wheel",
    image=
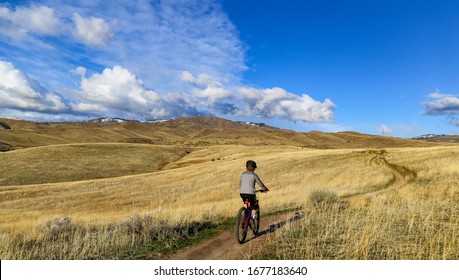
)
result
[(241, 225)]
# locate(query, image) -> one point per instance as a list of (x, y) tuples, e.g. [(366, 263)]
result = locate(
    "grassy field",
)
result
[(76, 162), (150, 214), (419, 220)]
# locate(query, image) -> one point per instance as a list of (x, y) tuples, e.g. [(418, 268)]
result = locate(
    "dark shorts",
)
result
[(252, 199)]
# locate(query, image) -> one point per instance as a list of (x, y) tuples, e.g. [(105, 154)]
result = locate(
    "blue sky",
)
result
[(378, 67)]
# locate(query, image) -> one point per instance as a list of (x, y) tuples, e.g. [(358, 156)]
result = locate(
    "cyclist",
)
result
[(247, 185)]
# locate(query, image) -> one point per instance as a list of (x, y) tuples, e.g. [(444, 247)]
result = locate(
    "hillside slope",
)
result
[(76, 162), (194, 131)]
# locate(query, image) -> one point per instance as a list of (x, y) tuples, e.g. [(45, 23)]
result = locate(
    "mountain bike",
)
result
[(244, 221)]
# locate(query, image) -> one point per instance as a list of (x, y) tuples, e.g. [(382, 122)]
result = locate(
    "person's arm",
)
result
[(260, 183)]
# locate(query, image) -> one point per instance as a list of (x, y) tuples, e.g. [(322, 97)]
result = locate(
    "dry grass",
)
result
[(419, 220), (206, 181), (76, 162), (134, 237), (427, 230)]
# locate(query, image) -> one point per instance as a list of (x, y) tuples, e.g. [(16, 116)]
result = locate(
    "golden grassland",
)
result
[(417, 220), (132, 216), (76, 162)]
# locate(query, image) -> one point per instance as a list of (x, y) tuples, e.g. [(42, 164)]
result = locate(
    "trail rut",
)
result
[(399, 178)]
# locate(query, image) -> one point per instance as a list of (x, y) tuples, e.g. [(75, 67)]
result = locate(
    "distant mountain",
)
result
[(438, 138), (156, 121), (107, 120), (259, 125), (201, 122), (190, 132)]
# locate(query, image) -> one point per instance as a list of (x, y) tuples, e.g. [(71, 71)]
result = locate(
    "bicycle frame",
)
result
[(243, 221), (248, 212)]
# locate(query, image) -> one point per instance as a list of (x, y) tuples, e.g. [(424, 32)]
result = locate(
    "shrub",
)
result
[(323, 199), (56, 228)]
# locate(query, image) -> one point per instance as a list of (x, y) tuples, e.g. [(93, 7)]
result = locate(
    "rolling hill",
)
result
[(189, 132)]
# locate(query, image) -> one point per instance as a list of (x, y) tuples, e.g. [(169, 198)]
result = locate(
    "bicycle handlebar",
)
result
[(262, 191)]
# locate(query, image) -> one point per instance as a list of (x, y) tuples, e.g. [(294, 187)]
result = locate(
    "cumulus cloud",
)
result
[(206, 87), (442, 104), (384, 129), (277, 102), (92, 31), (42, 20), (39, 20), (271, 103), (19, 92), (213, 94), (187, 77), (118, 91), (115, 88), (88, 108)]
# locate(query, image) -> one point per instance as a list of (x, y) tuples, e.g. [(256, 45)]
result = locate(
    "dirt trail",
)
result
[(399, 178), (225, 247)]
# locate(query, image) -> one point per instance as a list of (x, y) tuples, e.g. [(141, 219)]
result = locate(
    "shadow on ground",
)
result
[(272, 228)]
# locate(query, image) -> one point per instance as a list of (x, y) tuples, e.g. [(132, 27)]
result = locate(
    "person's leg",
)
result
[(252, 202), (254, 206), (246, 199)]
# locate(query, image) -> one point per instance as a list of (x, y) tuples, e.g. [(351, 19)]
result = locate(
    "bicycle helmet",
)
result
[(251, 164)]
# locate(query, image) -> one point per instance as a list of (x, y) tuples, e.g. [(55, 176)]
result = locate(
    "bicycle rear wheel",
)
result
[(241, 226)]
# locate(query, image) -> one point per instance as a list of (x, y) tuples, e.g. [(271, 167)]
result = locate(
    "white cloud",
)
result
[(213, 94), (92, 31), (206, 87), (187, 77), (384, 129), (88, 108), (42, 20), (116, 89), (442, 104), (277, 102), (438, 95), (271, 103), (39, 20), (19, 92), (79, 71)]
